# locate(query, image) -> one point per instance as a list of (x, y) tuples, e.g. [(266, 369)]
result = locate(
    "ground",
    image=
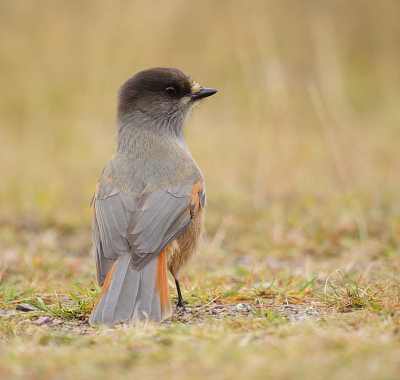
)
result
[(247, 316)]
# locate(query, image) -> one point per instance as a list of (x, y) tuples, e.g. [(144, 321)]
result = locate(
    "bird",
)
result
[(148, 203)]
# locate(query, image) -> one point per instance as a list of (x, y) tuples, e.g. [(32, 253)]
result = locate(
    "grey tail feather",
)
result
[(129, 295)]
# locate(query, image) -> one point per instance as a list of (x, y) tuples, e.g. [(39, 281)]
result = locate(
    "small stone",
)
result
[(240, 306), (44, 321), (25, 307)]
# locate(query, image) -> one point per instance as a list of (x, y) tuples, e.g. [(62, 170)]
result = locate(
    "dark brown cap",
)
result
[(155, 89)]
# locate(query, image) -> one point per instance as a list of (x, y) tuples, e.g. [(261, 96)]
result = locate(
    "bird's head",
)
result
[(160, 96)]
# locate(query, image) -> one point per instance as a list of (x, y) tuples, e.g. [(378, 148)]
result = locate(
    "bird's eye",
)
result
[(170, 90)]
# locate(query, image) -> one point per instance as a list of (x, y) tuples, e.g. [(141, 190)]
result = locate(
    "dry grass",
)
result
[(299, 274)]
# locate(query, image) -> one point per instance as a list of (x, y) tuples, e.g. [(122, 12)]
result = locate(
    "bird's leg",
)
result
[(181, 304)]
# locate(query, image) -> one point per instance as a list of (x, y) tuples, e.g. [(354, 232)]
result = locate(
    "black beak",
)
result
[(203, 93)]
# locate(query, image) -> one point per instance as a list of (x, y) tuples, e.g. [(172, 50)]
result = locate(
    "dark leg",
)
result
[(181, 304)]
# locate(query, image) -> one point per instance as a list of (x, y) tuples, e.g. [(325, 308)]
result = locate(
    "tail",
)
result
[(129, 295)]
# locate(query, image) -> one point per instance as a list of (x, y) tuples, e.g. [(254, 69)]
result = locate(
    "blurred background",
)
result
[(300, 144)]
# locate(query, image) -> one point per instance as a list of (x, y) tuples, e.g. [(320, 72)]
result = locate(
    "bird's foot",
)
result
[(180, 306)]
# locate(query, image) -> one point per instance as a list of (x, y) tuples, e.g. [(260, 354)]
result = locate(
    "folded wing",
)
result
[(143, 226)]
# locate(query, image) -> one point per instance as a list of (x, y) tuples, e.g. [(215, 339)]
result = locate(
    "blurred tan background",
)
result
[(307, 115)]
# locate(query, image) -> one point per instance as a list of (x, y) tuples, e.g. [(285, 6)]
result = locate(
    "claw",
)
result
[(180, 306)]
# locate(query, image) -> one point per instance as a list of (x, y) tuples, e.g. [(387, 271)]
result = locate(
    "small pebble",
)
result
[(25, 307), (44, 321)]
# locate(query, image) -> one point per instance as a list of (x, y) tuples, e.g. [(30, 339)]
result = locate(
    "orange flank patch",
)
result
[(196, 203), (162, 281), (195, 196), (96, 190), (196, 188), (106, 285)]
